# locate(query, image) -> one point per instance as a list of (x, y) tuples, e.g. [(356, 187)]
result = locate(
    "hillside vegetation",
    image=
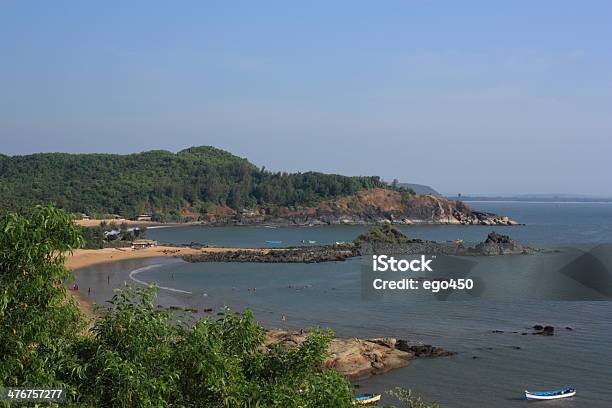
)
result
[(385, 233), (193, 180)]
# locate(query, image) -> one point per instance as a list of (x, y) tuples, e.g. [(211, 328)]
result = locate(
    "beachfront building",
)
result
[(143, 217), (143, 243)]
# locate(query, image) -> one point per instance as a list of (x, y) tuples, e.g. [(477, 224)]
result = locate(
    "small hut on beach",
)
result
[(143, 243)]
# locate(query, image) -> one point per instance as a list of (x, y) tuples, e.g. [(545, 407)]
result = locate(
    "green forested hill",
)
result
[(161, 181)]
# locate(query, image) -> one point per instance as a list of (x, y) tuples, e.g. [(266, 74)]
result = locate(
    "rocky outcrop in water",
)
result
[(414, 247), (277, 255), (423, 350), (498, 244), (538, 330), (359, 358), (385, 239), (544, 330)]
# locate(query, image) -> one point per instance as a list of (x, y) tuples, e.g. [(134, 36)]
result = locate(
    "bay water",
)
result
[(490, 369)]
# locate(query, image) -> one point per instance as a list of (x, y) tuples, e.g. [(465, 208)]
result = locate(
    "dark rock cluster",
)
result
[(543, 330), (385, 239), (277, 255), (498, 244), (422, 350)]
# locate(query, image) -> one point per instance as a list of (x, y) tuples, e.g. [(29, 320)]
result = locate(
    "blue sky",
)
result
[(472, 97)]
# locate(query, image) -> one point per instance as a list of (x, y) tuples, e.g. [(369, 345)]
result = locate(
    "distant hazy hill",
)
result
[(533, 198), (420, 189), (193, 179)]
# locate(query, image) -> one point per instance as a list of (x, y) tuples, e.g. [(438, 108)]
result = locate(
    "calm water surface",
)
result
[(545, 224), (491, 370)]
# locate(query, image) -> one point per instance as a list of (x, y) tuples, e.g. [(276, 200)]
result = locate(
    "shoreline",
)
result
[(495, 244), (355, 358), (84, 258), (286, 223)]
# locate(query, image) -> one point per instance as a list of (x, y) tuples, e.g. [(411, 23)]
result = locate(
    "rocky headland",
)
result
[(371, 206)]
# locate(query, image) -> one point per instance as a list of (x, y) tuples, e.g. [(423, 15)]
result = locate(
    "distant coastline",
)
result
[(551, 199), (488, 200)]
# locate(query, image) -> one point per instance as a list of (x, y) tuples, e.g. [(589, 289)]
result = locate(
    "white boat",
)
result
[(308, 241), (273, 242), (365, 399), (550, 395)]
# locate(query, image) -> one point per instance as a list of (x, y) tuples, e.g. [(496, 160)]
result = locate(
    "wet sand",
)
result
[(82, 258)]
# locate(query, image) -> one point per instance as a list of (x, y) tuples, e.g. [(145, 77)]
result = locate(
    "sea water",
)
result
[(490, 369)]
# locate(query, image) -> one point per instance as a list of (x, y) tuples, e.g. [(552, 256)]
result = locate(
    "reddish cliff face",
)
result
[(365, 207), (380, 205)]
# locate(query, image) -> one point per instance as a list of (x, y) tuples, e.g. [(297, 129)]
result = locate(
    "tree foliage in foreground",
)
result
[(37, 321), (409, 399), (137, 355)]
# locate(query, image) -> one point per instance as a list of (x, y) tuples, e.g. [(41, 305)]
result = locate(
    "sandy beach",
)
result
[(82, 258), (119, 221)]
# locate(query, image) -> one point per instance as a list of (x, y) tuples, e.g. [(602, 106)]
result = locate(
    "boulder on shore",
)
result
[(358, 358)]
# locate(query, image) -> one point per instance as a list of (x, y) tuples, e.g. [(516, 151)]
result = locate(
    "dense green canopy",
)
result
[(385, 233), (196, 178)]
